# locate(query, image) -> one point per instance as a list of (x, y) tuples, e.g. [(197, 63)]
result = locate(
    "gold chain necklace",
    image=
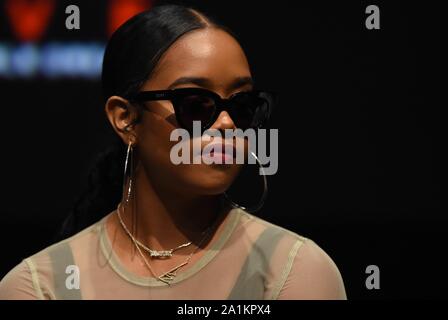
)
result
[(168, 276)]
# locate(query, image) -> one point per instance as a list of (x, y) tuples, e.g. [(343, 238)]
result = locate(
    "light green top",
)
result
[(250, 259)]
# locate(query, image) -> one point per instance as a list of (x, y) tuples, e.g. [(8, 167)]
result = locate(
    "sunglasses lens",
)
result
[(195, 107), (250, 109), (247, 109)]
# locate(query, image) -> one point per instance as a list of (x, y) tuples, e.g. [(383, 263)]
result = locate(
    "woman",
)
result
[(171, 233)]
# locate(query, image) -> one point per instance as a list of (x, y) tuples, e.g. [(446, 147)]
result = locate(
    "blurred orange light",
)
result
[(29, 18), (121, 10)]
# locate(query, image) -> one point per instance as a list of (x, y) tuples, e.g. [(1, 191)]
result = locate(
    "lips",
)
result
[(223, 151)]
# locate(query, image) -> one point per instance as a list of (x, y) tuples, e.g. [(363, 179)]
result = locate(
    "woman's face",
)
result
[(206, 58)]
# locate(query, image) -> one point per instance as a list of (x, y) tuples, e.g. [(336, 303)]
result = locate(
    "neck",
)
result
[(164, 220)]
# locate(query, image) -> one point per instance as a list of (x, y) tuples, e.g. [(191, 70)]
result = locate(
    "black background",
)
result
[(360, 136)]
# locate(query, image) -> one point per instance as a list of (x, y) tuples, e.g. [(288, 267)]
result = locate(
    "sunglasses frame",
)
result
[(220, 104)]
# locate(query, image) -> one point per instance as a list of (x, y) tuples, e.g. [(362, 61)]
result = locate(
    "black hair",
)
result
[(131, 55)]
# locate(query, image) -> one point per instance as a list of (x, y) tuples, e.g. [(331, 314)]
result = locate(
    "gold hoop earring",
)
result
[(128, 178), (260, 203), (128, 171)]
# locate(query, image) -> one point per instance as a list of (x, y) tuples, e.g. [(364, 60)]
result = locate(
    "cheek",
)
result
[(154, 139)]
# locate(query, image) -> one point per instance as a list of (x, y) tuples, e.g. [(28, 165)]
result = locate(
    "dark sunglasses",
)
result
[(248, 109)]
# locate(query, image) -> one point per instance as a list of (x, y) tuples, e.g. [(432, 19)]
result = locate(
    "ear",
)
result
[(121, 115)]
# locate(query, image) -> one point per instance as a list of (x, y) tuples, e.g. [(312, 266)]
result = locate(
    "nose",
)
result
[(223, 122)]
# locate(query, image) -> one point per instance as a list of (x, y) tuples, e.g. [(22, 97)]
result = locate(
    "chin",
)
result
[(213, 184)]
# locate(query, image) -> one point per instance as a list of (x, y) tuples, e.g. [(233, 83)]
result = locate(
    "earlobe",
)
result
[(132, 140)]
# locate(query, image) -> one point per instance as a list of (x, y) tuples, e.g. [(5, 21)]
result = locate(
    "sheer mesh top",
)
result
[(250, 259)]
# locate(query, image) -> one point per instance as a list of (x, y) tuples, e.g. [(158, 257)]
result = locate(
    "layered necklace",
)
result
[(168, 276)]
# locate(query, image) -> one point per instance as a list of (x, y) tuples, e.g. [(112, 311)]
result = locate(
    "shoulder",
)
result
[(65, 249), (312, 274), (31, 278), (307, 271), (18, 283), (264, 228)]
